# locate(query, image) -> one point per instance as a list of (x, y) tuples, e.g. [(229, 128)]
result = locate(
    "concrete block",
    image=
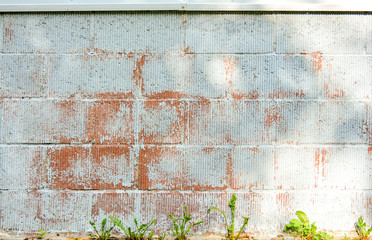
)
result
[(321, 122), (42, 121), (254, 205), (24, 76), (22, 167), (159, 205), (229, 33), (162, 121), (253, 168), (183, 76), (308, 33), (369, 34), (345, 77), (41, 32), (65, 211), (342, 122), (269, 77), (91, 167), (124, 205), (323, 207), (138, 32), (19, 211), (114, 122), (336, 167), (214, 122), (184, 168), (2, 32), (368, 127), (99, 75)]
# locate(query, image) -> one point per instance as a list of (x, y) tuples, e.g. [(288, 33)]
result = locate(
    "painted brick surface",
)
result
[(41, 33), (369, 35), (134, 114), (93, 167), (138, 32), (30, 79), (22, 167), (184, 168), (228, 33), (98, 75), (302, 33), (113, 122), (162, 121), (47, 121)]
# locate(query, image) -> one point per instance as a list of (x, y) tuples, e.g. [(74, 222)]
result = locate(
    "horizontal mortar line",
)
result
[(41, 99), (300, 145), (177, 54), (208, 191), (286, 54)]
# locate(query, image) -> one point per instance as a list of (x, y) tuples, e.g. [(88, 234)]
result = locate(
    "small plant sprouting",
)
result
[(230, 229), (42, 233), (361, 229), (304, 229), (161, 236), (180, 231), (139, 234), (105, 233)]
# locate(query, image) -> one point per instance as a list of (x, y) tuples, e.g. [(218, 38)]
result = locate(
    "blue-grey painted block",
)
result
[(307, 33), (138, 32), (47, 32), (229, 33)]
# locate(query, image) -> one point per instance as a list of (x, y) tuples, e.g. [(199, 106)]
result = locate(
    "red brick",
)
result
[(93, 167)]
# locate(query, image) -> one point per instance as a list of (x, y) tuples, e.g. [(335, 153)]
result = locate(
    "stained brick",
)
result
[(24, 75), (344, 77), (229, 33), (43, 121), (22, 167), (325, 33), (138, 32), (184, 168), (162, 121), (99, 75), (91, 167), (67, 32), (113, 122)]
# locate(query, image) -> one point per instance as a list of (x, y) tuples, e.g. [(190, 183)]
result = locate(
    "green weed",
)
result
[(139, 233), (230, 229), (361, 229), (104, 234), (180, 230), (42, 233), (304, 229)]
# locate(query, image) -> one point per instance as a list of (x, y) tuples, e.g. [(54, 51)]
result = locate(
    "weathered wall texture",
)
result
[(136, 114)]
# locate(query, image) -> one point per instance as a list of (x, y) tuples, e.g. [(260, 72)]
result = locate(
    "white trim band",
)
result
[(185, 5)]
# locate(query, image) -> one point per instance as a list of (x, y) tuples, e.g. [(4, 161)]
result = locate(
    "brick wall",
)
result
[(135, 114)]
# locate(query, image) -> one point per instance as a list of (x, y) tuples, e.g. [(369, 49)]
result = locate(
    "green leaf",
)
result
[(302, 216)]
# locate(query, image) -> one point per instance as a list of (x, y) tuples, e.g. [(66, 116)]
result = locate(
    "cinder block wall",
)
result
[(134, 114)]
